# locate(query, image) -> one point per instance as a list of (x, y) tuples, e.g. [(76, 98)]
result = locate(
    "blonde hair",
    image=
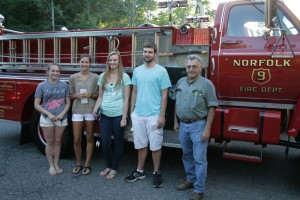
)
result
[(108, 71)]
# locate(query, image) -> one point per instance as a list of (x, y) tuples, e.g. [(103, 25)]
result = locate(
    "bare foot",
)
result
[(52, 171), (105, 172), (112, 174)]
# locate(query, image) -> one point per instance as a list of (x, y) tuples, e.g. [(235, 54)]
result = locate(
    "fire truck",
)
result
[(251, 54)]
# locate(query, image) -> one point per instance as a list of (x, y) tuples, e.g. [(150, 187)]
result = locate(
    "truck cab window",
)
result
[(249, 21), (287, 24)]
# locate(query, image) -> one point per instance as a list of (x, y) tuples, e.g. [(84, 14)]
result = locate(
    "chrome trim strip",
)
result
[(256, 104)]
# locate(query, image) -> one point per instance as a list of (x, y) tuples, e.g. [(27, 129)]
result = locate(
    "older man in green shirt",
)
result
[(195, 108)]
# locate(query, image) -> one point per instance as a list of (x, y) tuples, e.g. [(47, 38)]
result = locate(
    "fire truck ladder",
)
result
[(32, 51)]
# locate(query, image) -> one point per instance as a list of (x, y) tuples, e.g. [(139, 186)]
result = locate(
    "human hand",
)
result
[(123, 122), (59, 117), (161, 122), (51, 117), (205, 135), (176, 126), (85, 95)]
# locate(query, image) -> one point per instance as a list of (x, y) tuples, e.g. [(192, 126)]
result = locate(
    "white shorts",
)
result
[(46, 122), (82, 117), (145, 131)]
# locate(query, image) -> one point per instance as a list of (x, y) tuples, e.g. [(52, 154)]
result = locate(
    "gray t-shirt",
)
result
[(53, 96)]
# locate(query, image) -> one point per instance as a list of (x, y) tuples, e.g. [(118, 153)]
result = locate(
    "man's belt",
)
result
[(192, 121)]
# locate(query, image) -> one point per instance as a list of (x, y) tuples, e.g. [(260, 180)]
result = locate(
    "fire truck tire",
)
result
[(39, 139), (297, 138)]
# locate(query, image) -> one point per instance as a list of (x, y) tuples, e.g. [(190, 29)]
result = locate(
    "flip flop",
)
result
[(112, 174), (86, 170), (77, 169), (105, 172)]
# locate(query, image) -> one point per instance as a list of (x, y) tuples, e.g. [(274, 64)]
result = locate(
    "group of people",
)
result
[(195, 107)]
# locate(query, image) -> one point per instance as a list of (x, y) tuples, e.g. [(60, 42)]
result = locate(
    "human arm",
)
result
[(133, 99), (83, 95), (98, 101), (126, 105), (209, 121), (164, 99), (38, 107), (65, 110), (176, 124)]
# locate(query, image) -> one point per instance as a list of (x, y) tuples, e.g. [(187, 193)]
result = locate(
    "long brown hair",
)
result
[(108, 71)]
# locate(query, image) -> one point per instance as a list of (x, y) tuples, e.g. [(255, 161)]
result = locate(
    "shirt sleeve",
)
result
[(126, 79), (100, 79), (133, 81), (211, 98), (71, 84), (67, 93), (165, 81), (39, 91)]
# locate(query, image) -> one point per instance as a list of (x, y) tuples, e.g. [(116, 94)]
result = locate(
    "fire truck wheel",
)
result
[(39, 138), (297, 138)]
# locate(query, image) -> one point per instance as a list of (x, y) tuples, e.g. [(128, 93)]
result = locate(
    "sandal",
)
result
[(52, 171), (86, 170), (105, 172), (112, 174), (77, 169)]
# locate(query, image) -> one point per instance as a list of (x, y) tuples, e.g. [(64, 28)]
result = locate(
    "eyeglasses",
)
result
[(192, 67)]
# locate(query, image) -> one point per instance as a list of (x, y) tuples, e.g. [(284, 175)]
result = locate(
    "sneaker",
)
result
[(184, 186), (135, 175), (197, 196), (157, 180)]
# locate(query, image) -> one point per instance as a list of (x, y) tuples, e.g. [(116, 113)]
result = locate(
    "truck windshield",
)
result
[(249, 21)]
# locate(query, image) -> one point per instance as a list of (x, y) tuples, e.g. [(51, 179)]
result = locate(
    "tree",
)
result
[(36, 15)]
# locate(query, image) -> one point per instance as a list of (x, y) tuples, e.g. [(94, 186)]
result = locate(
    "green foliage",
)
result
[(36, 15)]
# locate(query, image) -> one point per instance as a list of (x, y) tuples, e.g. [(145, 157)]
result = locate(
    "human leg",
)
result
[(156, 156), (49, 150), (140, 139), (155, 136), (89, 127), (142, 155), (157, 177), (105, 129), (77, 136), (187, 153), (199, 155), (118, 133), (58, 132)]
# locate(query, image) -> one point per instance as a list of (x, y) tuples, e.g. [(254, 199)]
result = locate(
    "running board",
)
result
[(243, 157), (229, 153)]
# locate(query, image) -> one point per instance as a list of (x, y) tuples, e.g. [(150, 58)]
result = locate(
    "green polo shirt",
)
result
[(193, 99)]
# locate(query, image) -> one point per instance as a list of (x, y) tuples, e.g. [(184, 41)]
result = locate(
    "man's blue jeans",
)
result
[(194, 153)]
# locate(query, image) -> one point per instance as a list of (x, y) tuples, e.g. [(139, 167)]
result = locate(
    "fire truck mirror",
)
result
[(271, 13)]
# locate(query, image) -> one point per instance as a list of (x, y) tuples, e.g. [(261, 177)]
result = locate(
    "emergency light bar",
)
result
[(197, 19), (173, 4)]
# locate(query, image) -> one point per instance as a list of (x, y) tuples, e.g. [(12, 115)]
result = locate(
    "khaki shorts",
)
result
[(145, 131), (46, 122)]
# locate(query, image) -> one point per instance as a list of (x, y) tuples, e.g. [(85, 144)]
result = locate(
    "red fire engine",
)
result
[(251, 54)]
